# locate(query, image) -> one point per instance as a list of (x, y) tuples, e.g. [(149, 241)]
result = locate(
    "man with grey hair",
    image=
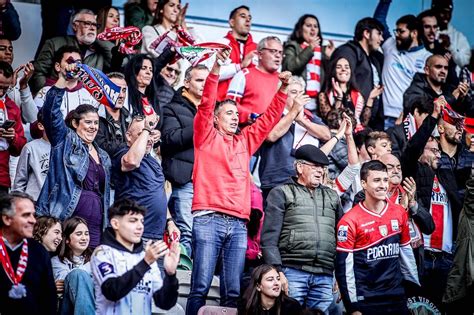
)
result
[(299, 231), (26, 277), (95, 53), (178, 149), (253, 88)]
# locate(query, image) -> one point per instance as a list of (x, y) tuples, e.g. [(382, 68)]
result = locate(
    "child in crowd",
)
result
[(33, 164), (71, 268), (48, 231)]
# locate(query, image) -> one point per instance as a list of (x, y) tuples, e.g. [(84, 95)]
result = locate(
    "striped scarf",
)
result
[(313, 72)]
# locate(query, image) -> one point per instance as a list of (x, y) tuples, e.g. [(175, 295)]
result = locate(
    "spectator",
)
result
[(243, 47), (126, 275), (26, 277), (405, 49), (265, 295), (373, 250), (429, 34), (344, 93), (140, 13), (33, 164), (253, 88), (401, 134), (94, 53), (138, 176), (178, 149), (451, 39), (437, 191), (219, 223), (365, 62), (377, 144), (112, 127), (21, 93), (107, 18), (305, 54), (169, 16), (9, 21), (76, 94), (295, 128), (298, 233), (431, 84), (459, 288), (167, 82), (48, 231), (12, 136), (78, 181), (72, 270)]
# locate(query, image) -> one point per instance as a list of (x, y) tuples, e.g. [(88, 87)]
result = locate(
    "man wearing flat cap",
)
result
[(298, 233)]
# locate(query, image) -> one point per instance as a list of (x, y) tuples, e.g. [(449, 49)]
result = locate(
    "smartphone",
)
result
[(7, 124)]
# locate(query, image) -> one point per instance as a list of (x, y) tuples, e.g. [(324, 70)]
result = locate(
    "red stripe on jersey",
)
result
[(436, 238)]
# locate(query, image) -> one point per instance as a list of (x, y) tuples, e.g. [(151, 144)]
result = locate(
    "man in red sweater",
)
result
[(221, 202), (12, 136), (253, 88), (243, 48)]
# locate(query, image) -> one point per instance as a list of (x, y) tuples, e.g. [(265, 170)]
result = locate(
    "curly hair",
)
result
[(42, 226)]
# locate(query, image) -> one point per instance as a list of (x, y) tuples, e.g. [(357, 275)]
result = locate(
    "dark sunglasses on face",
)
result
[(171, 70)]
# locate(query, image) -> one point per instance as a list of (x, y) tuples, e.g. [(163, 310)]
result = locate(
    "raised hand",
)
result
[(248, 59), (29, 69), (329, 49), (171, 260), (337, 88), (285, 77), (154, 250), (349, 128), (376, 92), (439, 105)]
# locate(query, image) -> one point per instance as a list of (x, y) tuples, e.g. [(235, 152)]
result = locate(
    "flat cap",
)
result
[(312, 154)]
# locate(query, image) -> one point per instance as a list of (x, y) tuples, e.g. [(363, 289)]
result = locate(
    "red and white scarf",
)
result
[(15, 278), (313, 72)]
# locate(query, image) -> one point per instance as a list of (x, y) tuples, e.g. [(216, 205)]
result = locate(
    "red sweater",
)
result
[(221, 174), (16, 145), (236, 56)]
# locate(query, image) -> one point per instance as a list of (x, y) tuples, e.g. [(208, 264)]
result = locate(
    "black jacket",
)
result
[(361, 67), (424, 174), (420, 87), (177, 146), (110, 136), (398, 138)]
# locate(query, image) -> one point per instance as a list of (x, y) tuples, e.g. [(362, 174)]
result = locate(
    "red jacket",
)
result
[(13, 112), (236, 56), (221, 174)]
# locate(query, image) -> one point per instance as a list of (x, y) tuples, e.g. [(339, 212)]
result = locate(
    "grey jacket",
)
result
[(299, 229)]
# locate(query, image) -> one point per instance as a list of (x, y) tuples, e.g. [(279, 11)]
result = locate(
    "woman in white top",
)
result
[(72, 266)]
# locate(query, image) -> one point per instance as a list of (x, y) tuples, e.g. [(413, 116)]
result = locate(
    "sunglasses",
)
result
[(171, 70)]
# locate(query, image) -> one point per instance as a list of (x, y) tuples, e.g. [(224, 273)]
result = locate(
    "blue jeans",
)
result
[(218, 241), (389, 122), (311, 290), (435, 275), (180, 208), (78, 298)]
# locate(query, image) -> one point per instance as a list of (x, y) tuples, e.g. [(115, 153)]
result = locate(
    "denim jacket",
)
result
[(69, 162)]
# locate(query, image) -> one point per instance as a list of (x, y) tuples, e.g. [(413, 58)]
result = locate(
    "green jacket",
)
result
[(461, 276), (296, 59), (100, 59), (299, 229), (136, 15)]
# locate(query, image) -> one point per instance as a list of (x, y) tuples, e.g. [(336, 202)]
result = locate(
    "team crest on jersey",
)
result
[(383, 230), (436, 185), (394, 225), (342, 233)]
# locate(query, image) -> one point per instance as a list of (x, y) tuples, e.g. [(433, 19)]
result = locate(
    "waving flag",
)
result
[(123, 34)]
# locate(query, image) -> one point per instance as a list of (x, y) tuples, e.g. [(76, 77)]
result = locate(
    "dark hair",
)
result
[(351, 85), (221, 103), (423, 104), (131, 71), (39, 117), (125, 206), (102, 17), (367, 24), (251, 297), (332, 119), (359, 138), (59, 54), (6, 69), (69, 226), (158, 19), (7, 203), (116, 75), (426, 13), (297, 34), (412, 24), (42, 226), (374, 165), (234, 11), (78, 113)]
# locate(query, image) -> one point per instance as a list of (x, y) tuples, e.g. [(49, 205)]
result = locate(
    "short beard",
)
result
[(453, 140), (405, 43), (85, 39)]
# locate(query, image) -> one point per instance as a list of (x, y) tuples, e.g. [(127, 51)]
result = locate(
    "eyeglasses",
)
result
[(171, 70), (313, 167), (274, 52), (4, 48), (435, 151), (88, 24), (399, 30)]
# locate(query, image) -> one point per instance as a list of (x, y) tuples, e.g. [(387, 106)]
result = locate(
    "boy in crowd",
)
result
[(126, 275)]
